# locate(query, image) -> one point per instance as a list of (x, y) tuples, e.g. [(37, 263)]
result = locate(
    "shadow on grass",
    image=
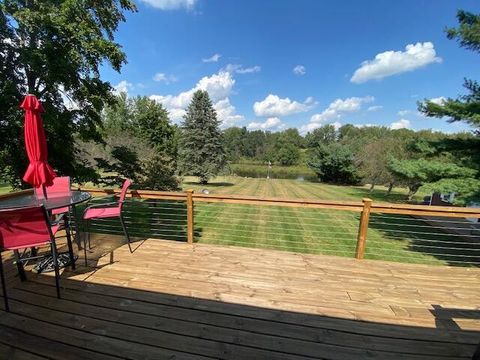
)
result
[(437, 238), (214, 184)]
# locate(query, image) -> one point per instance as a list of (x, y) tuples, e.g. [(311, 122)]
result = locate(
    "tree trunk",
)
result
[(412, 190), (390, 188), (372, 186)]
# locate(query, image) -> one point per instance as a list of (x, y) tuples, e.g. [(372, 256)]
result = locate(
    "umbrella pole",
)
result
[(44, 190)]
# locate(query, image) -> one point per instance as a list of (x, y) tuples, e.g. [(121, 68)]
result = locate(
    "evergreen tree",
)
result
[(201, 151), (466, 108)]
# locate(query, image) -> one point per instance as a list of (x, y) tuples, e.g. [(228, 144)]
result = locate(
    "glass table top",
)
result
[(53, 202)]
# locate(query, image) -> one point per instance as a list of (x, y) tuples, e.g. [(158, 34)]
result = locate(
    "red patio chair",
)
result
[(22, 228), (59, 188), (107, 210)]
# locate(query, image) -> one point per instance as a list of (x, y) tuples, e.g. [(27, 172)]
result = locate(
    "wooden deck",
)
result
[(172, 300)]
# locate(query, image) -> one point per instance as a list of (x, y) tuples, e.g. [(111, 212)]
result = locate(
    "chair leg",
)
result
[(89, 241), (87, 233), (125, 232), (21, 270), (4, 286), (69, 243), (56, 267), (74, 214)]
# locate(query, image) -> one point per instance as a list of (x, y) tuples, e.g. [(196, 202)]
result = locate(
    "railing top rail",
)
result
[(144, 194), (253, 200), (16, 193), (425, 210), (356, 206)]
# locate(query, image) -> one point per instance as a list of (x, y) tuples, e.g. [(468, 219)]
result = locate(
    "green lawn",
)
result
[(294, 189), (4, 188), (317, 231)]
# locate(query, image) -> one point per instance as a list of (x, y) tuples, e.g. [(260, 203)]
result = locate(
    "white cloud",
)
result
[(273, 106), (336, 109), (213, 58), (309, 127), (439, 100), (219, 86), (226, 113), (337, 125), (403, 113), (299, 70), (400, 124), (249, 70), (167, 79), (360, 126), (390, 63), (271, 122), (375, 108), (315, 125), (239, 69), (171, 4), (122, 87)]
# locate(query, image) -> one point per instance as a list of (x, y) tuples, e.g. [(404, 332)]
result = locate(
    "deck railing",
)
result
[(364, 229)]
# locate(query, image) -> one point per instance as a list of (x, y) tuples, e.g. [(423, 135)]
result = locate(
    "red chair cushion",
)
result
[(60, 211), (102, 213)]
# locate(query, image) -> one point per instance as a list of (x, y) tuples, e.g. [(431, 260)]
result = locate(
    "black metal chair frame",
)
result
[(87, 225)]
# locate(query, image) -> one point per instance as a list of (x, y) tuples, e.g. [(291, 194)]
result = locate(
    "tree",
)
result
[(201, 151), (139, 143), (416, 173), (54, 50), (466, 108), (372, 161), (325, 134), (291, 136), (334, 163), (287, 155), (234, 139)]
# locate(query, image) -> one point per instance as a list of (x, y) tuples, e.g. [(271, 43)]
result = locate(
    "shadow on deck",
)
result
[(176, 301)]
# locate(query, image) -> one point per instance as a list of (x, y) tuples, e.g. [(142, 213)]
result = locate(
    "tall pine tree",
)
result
[(201, 151)]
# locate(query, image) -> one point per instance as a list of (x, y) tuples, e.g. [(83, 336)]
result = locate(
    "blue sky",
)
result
[(277, 64)]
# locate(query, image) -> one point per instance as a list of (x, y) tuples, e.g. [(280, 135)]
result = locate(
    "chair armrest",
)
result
[(110, 204)]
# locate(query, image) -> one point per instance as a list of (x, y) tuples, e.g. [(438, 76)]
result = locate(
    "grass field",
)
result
[(296, 189), (4, 188), (318, 231)]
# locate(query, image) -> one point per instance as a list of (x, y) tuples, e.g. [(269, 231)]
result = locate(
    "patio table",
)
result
[(29, 199), (57, 202)]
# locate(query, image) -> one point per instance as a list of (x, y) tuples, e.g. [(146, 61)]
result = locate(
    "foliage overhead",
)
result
[(54, 50)]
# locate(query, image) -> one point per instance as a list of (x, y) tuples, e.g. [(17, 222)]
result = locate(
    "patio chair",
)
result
[(29, 227), (106, 210), (59, 188)]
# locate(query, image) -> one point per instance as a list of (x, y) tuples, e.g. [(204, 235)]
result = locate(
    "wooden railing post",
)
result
[(190, 216), (363, 228)]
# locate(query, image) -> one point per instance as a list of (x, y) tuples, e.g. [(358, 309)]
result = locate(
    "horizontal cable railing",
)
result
[(396, 232)]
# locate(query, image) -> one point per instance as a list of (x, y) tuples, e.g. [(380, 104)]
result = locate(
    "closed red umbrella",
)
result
[(39, 173)]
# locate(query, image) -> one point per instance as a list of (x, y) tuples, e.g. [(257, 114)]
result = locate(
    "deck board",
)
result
[(175, 300)]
